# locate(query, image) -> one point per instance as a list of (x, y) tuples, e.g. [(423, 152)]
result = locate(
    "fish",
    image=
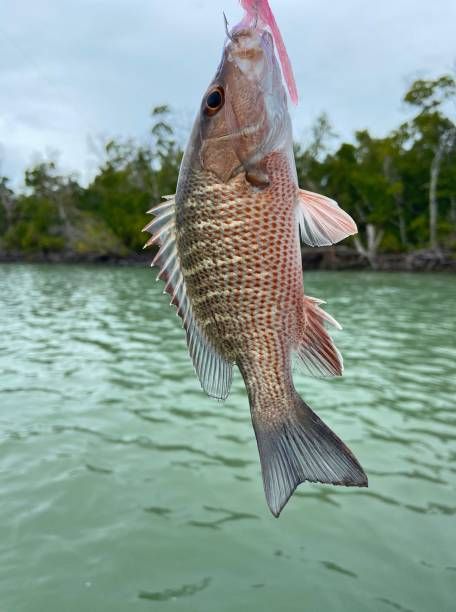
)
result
[(229, 255)]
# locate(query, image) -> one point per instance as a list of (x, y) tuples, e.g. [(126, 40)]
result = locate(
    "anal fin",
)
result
[(316, 350)]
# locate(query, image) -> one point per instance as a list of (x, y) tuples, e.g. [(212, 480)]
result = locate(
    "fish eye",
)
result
[(214, 101)]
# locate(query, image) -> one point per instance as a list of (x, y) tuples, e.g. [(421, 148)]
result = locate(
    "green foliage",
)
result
[(36, 227), (92, 237), (430, 95), (6, 203), (3, 220), (381, 182), (385, 182), (121, 193), (132, 179)]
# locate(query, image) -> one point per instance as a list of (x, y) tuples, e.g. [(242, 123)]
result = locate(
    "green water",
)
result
[(124, 488)]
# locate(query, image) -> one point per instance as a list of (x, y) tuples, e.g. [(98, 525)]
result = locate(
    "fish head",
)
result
[(244, 115)]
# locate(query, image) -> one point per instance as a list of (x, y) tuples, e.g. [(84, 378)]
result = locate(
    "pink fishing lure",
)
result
[(259, 11)]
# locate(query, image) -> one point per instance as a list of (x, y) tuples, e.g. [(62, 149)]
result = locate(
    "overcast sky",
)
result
[(74, 69)]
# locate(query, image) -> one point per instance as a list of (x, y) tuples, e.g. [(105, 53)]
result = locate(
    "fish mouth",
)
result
[(246, 131)]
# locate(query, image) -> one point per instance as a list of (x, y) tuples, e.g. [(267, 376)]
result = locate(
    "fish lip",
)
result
[(247, 131)]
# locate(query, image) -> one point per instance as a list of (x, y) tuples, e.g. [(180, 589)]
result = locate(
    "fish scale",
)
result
[(242, 294)]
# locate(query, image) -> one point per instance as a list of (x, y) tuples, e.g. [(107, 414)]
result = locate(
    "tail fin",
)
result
[(301, 448)]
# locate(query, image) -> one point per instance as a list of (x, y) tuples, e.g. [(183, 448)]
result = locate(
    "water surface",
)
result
[(124, 488)]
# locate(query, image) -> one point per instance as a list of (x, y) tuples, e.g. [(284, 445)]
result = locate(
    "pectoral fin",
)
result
[(321, 220)]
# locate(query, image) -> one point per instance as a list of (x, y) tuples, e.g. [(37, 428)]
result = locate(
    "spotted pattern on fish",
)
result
[(231, 246)]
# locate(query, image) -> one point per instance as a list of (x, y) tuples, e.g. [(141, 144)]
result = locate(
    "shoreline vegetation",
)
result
[(400, 189), (318, 258)]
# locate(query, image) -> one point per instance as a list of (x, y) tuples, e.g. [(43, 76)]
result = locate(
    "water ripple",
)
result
[(186, 590)]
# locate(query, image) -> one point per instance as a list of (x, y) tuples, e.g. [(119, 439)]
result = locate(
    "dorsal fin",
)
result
[(316, 350), (213, 371)]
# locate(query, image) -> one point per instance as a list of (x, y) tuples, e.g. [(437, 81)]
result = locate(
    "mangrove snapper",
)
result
[(230, 257)]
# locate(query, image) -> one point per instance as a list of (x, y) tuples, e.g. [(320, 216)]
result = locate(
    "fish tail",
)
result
[(298, 446)]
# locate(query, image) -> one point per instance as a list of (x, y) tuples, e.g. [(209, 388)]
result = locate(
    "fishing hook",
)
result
[(227, 27)]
